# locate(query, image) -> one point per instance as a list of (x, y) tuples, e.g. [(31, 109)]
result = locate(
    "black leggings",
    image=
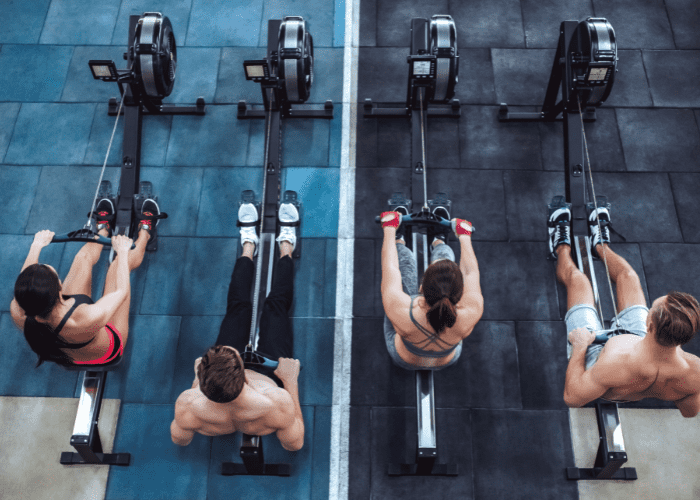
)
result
[(276, 338)]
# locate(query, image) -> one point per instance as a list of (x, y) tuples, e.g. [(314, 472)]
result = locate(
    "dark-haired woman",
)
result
[(60, 320), (424, 328)]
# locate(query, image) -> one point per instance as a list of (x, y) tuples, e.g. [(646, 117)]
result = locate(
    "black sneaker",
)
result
[(559, 225), (104, 214), (149, 208), (598, 235)]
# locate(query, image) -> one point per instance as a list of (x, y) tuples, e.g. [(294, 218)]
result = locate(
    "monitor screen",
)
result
[(101, 71), (255, 71), (421, 67), (597, 74)]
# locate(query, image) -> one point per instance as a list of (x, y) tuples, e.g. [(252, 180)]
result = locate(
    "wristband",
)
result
[(461, 227), (391, 219)]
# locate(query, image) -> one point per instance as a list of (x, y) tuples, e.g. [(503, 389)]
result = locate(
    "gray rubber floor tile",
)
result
[(368, 23), (488, 23), (371, 202), (659, 140), (637, 25), (522, 454), (685, 192), (360, 452), (382, 74), (487, 143), (604, 146), (542, 362), (670, 86), (367, 279), (512, 271), (521, 75), (442, 143), (476, 84), (685, 17), (394, 19), (671, 266), (394, 441), (630, 88), (527, 196), (542, 19)]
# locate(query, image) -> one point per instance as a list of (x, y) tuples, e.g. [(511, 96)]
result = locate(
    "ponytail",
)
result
[(443, 286)]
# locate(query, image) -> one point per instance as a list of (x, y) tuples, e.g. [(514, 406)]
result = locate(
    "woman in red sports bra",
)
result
[(60, 321)]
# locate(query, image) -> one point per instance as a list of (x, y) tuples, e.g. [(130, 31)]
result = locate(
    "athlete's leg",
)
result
[(276, 335), (627, 285), (578, 287), (120, 320), (79, 279), (235, 327)]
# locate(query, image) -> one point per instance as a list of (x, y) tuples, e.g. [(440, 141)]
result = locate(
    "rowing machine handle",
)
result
[(83, 235), (408, 219)]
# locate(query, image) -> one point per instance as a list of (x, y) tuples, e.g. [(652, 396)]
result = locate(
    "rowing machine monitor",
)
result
[(104, 70), (256, 70)]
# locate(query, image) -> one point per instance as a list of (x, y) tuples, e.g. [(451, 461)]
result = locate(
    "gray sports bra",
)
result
[(432, 338)]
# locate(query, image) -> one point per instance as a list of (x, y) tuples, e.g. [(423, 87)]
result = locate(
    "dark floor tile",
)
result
[(476, 84), (33, 72), (305, 142), (148, 335), (370, 203), (366, 137), (328, 77), (368, 23), (197, 70), (223, 23), (382, 74), (685, 17), (671, 266), (382, 382), (26, 22), (487, 143), (486, 375), (335, 150), (8, 117), (604, 146), (359, 465), (685, 189), (670, 87), (16, 201), (521, 75), (155, 135), (442, 143), (543, 19), (18, 377), (367, 300), (220, 194), (318, 14), (522, 454), (659, 139), (221, 139), (320, 467), (178, 191), (50, 134), (517, 281), (231, 84), (178, 11), (642, 25), (485, 23), (77, 23), (298, 485), (315, 278), (394, 441), (144, 431), (64, 197), (394, 143), (313, 347), (196, 335), (394, 19), (80, 85), (631, 88), (164, 282), (542, 377), (476, 195)]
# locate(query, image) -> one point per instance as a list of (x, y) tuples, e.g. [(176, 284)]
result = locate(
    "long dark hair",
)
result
[(443, 286), (37, 291)]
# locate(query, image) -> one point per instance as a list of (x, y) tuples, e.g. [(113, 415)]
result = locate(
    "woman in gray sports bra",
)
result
[(424, 328)]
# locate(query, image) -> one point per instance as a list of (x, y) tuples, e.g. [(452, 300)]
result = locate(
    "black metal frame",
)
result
[(136, 105), (412, 108), (86, 434), (611, 455), (254, 461)]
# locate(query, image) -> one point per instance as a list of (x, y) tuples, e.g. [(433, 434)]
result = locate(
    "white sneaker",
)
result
[(248, 213), (288, 213)]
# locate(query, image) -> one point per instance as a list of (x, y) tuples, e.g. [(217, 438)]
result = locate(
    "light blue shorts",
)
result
[(633, 320)]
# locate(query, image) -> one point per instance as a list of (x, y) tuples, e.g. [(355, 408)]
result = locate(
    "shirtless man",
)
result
[(226, 396), (646, 359)]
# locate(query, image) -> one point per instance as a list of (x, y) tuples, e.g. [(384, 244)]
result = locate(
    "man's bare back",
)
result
[(260, 409), (645, 375)]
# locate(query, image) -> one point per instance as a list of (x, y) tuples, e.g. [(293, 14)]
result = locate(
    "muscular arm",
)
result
[(472, 301), (288, 418), (183, 426), (689, 405), (395, 301)]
